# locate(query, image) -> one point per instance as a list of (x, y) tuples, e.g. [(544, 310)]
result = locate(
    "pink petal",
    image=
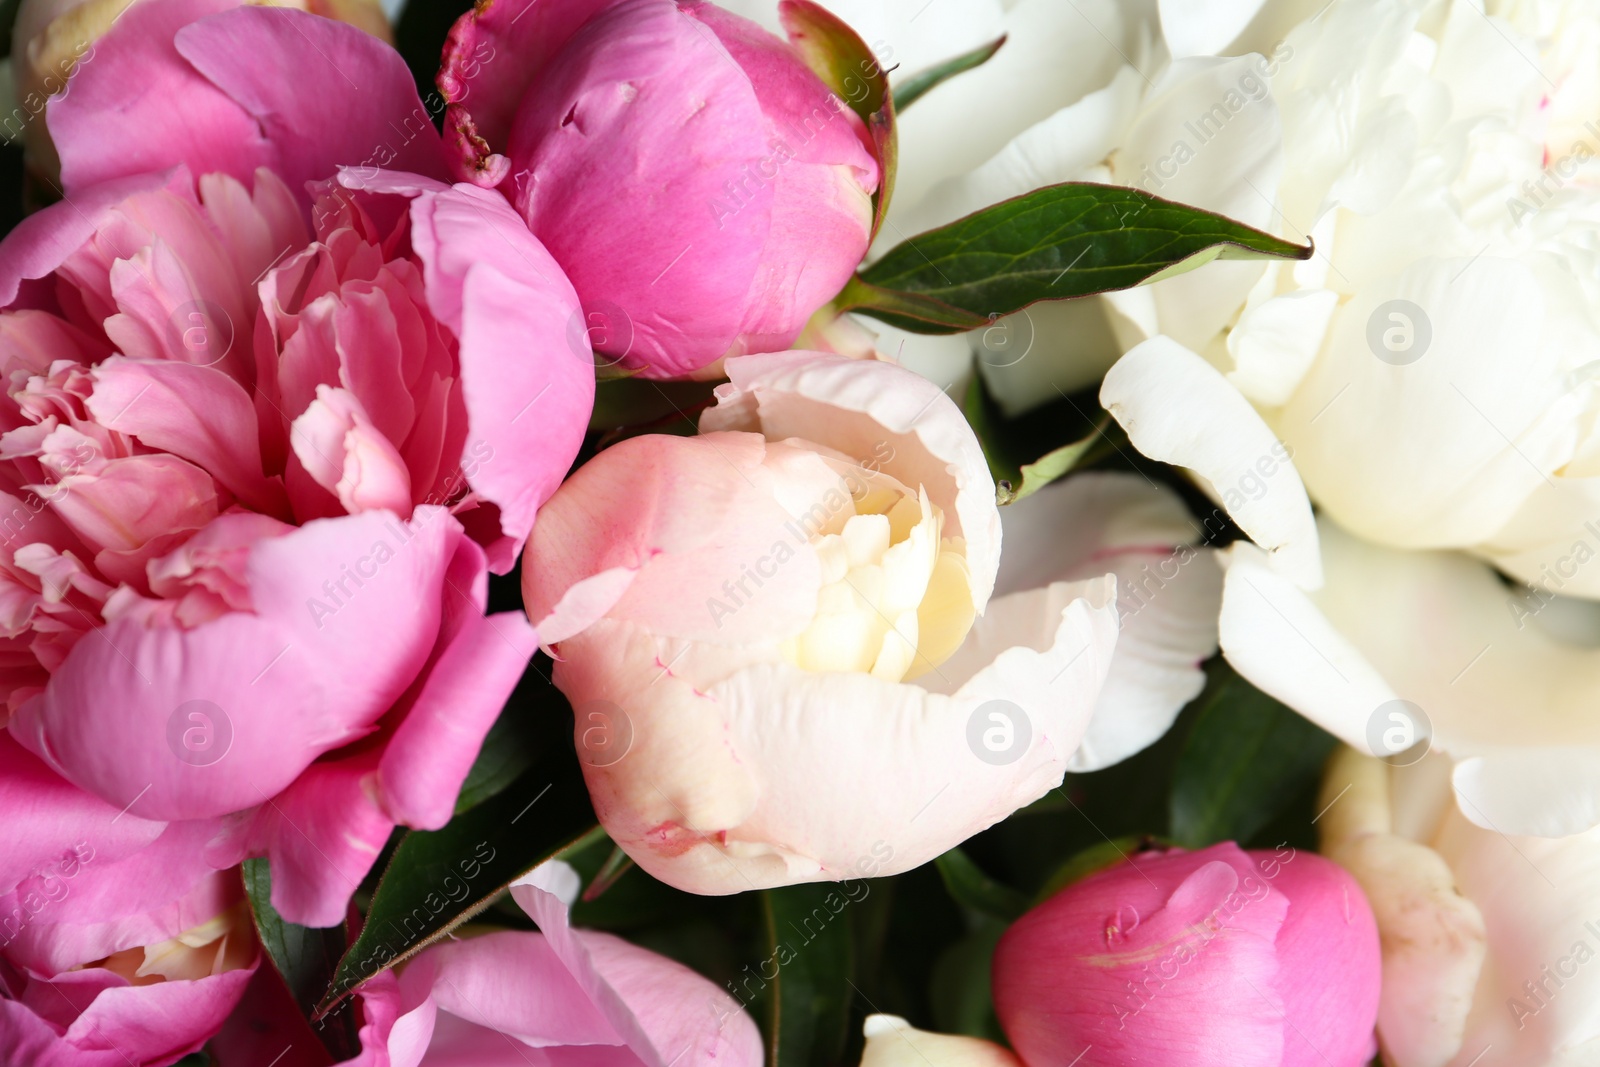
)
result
[(48, 238), (197, 413), (351, 102), (484, 94), (632, 81), (478, 663), (47, 818), (527, 373), (346, 614), (117, 117), (345, 454)]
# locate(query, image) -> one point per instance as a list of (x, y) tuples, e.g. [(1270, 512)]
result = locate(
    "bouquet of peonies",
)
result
[(910, 533)]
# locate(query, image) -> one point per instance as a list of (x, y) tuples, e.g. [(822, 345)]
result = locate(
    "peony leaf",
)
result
[(847, 66), (438, 879), (917, 85), (304, 958), (812, 952), (1246, 758), (1062, 241), (971, 888)]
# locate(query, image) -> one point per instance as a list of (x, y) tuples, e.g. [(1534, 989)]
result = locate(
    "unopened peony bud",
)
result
[(1195, 959), (702, 188)]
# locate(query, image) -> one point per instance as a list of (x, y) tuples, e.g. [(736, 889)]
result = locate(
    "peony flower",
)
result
[(1428, 369), (255, 472), (1434, 647), (780, 636), (51, 37), (703, 189), (1256, 959), (559, 995), (118, 944), (1487, 938)]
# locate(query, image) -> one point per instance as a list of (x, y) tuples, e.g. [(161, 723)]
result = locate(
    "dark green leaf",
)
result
[(1246, 757), (438, 879), (1089, 861), (304, 958), (1068, 240), (847, 66), (984, 418), (971, 888), (913, 88), (508, 749), (811, 951), (960, 987)]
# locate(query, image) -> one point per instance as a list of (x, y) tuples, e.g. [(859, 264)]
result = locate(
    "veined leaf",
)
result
[(1069, 240)]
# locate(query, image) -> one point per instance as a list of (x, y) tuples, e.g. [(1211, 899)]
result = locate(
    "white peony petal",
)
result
[(1273, 343), (1204, 27), (1168, 596), (1275, 636), (893, 1042), (1177, 408), (1534, 792)]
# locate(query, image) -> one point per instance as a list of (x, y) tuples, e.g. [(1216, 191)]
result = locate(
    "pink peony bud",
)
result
[(1199, 959), (702, 188)]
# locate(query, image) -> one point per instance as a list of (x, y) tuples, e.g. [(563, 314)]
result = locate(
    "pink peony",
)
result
[(118, 945), (559, 996), (1216, 958), (701, 186), (254, 472)]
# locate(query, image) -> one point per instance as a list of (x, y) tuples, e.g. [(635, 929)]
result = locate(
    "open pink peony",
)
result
[(261, 443)]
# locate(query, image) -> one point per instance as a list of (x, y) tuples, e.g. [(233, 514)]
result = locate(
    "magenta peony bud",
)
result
[(701, 187), (1217, 958)]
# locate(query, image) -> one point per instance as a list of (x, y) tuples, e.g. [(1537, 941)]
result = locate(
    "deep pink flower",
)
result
[(118, 945), (260, 447), (701, 186), (1216, 958)]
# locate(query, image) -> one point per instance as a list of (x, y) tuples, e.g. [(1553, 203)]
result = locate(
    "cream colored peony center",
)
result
[(895, 599)]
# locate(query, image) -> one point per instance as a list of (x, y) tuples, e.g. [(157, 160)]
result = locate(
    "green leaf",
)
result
[(438, 879), (1056, 464), (1245, 759), (971, 888), (983, 416), (1069, 240), (1090, 860), (847, 66), (508, 749), (913, 88), (812, 952), (959, 988), (304, 958)]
